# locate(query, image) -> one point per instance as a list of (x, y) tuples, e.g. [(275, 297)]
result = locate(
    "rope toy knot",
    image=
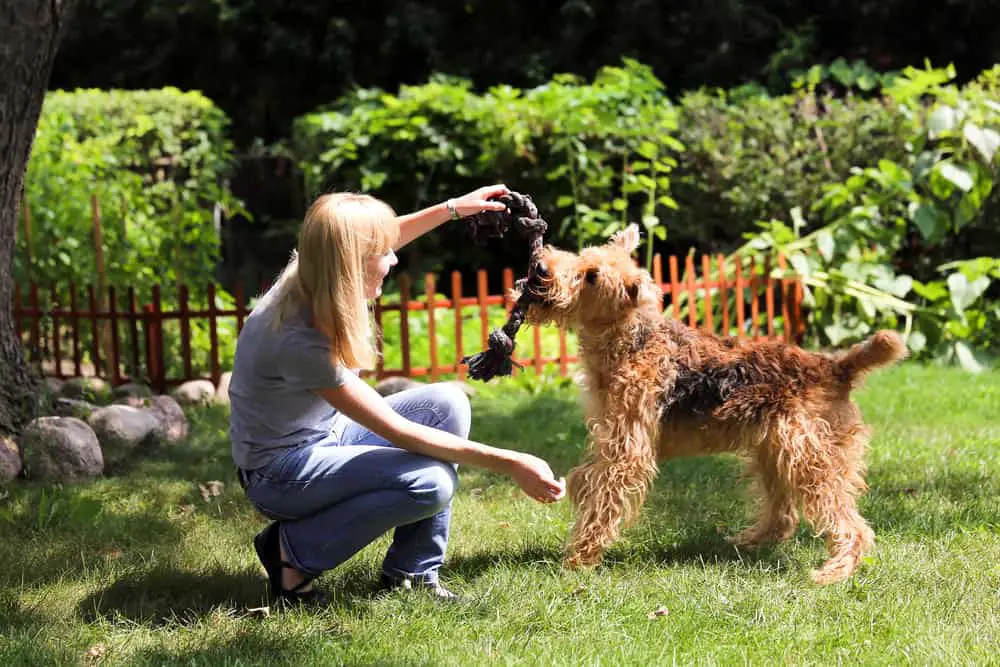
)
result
[(521, 213)]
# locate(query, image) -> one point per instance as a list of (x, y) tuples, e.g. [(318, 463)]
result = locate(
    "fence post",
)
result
[(213, 336), (456, 303), (404, 322), (95, 213), (430, 291), (153, 325)]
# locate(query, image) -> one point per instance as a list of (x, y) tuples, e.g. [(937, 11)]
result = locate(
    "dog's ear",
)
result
[(627, 238), (632, 290)]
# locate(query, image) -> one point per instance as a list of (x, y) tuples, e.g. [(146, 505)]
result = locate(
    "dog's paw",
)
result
[(825, 575), (580, 561), (750, 539)]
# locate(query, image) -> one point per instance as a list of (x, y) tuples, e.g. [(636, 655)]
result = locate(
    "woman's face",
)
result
[(376, 270)]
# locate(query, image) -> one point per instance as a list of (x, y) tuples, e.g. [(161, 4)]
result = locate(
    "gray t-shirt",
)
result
[(271, 392)]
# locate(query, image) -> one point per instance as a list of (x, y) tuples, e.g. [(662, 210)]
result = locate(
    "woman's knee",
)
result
[(456, 409), (436, 485)]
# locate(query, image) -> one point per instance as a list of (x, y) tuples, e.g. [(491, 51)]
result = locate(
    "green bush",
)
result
[(887, 245), (758, 157), (157, 161), (591, 154)]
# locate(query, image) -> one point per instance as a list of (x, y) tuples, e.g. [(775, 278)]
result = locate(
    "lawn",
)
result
[(140, 568)]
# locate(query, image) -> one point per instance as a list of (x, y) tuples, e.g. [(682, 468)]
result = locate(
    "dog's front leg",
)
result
[(608, 489)]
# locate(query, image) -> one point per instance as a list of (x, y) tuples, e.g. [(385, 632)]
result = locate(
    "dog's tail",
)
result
[(884, 348)]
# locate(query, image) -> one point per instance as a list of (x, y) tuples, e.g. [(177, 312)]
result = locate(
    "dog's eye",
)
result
[(591, 276)]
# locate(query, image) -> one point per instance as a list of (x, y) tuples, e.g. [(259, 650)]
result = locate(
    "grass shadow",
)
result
[(470, 567), (166, 596), (247, 648)]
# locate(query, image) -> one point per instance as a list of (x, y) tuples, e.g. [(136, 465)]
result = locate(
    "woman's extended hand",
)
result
[(478, 200), (535, 478)]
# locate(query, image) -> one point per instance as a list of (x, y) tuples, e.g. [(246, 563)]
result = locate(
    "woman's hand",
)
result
[(535, 478), (478, 200)]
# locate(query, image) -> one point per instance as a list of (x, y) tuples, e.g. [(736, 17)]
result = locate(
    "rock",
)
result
[(91, 389), (394, 385), (171, 417), (222, 392), (73, 407), (54, 386), (134, 401), (131, 390), (195, 392), (121, 429), (10, 459), (61, 449)]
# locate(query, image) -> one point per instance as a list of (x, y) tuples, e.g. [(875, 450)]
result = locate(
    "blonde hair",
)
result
[(326, 274)]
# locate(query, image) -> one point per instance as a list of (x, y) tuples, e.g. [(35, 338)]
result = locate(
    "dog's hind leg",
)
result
[(778, 515), (827, 471)]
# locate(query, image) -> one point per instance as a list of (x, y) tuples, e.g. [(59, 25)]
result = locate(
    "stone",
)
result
[(131, 389), (222, 391), (92, 389), (171, 417), (394, 385), (195, 392), (61, 449), (10, 459), (73, 407), (121, 429)]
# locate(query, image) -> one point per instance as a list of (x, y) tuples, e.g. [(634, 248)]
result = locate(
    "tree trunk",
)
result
[(30, 31)]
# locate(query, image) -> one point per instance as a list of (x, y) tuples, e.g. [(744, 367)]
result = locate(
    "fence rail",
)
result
[(114, 337)]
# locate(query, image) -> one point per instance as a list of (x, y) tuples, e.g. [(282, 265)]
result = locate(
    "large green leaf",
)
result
[(966, 358), (943, 119), (930, 221), (964, 293), (956, 174), (986, 141), (825, 244)]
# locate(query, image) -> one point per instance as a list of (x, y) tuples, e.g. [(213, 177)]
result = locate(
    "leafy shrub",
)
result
[(157, 161), (860, 263), (590, 154)]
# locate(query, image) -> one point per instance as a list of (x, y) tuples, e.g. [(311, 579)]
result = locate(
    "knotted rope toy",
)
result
[(522, 214)]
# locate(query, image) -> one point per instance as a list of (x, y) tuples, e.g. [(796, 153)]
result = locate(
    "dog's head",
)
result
[(600, 286)]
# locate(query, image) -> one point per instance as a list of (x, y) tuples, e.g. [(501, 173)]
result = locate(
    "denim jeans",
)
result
[(334, 496)]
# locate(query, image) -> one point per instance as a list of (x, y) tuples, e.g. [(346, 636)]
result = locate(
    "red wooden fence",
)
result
[(127, 342)]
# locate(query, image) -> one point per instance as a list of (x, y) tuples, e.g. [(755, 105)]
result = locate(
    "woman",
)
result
[(318, 450)]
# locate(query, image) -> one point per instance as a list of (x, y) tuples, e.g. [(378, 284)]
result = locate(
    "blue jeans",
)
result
[(333, 497)]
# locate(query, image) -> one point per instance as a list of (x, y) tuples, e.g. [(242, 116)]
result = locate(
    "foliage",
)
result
[(601, 152), (596, 155), (157, 162), (612, 143), (756, 157), (860, 263)]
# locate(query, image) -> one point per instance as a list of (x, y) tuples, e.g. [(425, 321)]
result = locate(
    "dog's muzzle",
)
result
[(534, 286)]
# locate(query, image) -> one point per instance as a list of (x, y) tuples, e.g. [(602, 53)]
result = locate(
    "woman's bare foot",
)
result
[(290, 577)]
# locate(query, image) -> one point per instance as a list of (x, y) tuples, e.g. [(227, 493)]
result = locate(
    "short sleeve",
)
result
[(305, 364)]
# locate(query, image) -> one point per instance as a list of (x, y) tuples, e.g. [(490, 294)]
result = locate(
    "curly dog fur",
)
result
[(656, 389)]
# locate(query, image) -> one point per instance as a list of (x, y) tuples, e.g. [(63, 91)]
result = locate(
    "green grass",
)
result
[(142, 566)]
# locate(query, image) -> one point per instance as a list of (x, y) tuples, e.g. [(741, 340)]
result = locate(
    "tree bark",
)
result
[(30, 31)]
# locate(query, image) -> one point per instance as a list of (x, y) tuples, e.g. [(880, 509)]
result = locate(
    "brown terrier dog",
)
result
[(656, 389)]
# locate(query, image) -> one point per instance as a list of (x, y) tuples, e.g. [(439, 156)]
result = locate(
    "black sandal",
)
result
[(268, 546)]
